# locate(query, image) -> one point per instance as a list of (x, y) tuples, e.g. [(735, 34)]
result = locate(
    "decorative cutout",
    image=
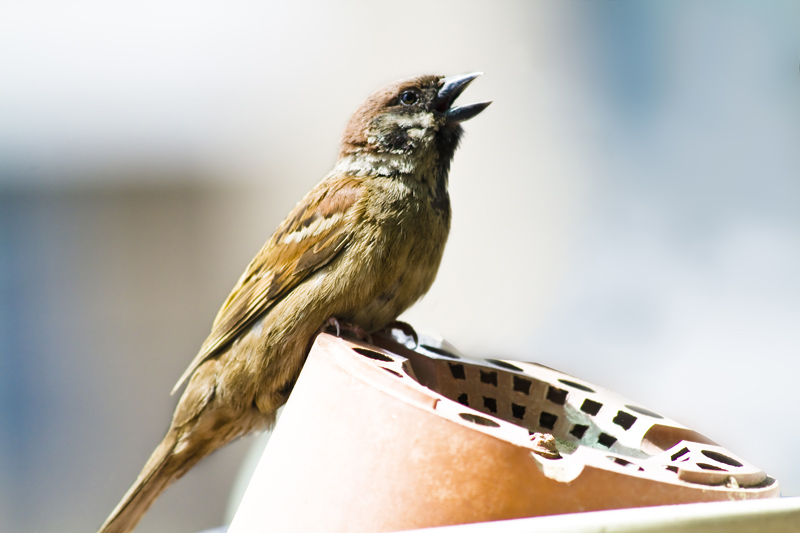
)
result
[(679, 454), (394, 372), (643, 411), (503, 364), (489, 377), (480, 420), (706, 466), (547, 420), (372, 354), (624, 420), (624, 462), (575, 385), (457, 370), (439, 351), (578, 430), (606, 440), (557, 396), (591, 407), (724, 459), (490, 404), (522, 385)]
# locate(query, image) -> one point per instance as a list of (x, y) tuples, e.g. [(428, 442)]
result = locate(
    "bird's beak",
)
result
[(451, 88)]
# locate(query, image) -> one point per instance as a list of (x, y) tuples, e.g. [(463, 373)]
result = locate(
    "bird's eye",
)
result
[(408, 98)]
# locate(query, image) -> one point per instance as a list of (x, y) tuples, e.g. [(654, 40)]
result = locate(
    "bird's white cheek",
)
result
[(416, 133), (422, 122)]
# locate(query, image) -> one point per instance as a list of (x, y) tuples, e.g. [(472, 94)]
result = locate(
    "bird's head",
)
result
[(408, 126)]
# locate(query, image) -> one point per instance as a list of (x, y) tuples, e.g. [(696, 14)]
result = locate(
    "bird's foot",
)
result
[(407, 329), (340, 326)]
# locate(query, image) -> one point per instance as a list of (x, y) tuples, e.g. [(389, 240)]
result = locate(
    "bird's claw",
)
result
[(346, 327), (331, 322)]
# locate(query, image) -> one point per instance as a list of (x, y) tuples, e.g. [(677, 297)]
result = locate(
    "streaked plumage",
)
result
[(362, 246)]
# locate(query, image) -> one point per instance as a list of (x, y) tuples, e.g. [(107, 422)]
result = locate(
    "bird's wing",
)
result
[(316, 230)]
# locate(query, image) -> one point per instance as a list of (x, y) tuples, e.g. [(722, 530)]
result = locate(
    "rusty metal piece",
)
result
[(385, 438)]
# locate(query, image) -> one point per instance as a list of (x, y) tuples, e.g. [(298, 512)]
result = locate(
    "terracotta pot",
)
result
[(385, 438)]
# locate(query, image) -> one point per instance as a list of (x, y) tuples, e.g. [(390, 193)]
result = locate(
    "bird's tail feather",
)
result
[(186, 443), (169, 462), (153, 479)]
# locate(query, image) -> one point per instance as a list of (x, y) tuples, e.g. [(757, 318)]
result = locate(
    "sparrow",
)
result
[(360, 248)]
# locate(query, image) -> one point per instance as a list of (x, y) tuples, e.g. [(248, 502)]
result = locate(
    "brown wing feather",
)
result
[(316, 230)]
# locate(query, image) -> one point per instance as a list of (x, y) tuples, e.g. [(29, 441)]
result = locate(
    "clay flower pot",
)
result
[(386, 438)]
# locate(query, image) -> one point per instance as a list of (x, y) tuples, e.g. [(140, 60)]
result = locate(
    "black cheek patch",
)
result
[(396, 139)]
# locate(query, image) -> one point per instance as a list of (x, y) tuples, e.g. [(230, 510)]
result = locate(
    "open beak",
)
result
[(451, 88)]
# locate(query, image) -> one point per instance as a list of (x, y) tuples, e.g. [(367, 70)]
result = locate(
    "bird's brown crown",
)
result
[(407, 126), (370, 121)]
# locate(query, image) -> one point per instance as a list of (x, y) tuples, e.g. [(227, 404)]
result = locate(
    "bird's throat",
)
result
[(368, 163)]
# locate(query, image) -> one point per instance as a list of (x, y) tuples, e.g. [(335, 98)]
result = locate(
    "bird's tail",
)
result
[(158, 473), (186, 443), (199, 426)]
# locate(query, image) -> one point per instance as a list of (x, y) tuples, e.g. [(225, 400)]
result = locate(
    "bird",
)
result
[(360, 248)]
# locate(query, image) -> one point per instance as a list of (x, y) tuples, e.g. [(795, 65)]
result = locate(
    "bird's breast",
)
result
[(407, 241)]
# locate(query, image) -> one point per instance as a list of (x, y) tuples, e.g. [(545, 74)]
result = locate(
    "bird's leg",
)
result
[(407, 329), (346, 327)]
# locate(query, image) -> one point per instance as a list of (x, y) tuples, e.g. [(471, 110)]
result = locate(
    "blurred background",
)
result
[(626, 211)]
